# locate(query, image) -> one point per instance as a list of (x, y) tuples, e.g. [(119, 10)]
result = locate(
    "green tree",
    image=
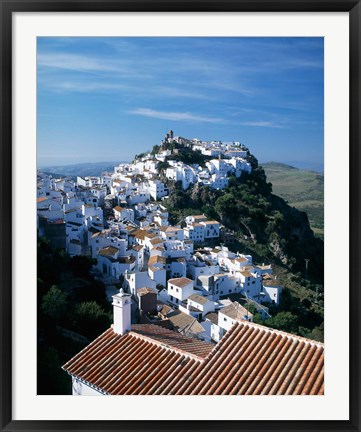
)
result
[(155, 150), (285, 321), (55, 303), (90, 319), (81, 266)]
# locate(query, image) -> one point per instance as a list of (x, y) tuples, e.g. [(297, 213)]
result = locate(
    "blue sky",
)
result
[(105, 99)]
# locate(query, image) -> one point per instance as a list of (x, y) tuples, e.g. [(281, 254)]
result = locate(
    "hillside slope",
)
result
[(302, 189)]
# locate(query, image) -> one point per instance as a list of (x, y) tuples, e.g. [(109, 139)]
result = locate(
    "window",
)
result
[(224, 319), (171, 297)]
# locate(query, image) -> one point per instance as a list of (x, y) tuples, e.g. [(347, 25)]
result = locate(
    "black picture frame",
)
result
[(8, 7)]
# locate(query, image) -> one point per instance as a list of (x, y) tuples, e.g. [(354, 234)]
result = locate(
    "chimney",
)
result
[(122, 312)]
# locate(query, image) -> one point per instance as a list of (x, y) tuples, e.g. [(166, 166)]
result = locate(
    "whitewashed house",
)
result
[(121, 213), (133, 281), (157, 189), (179, 289), (211, 229), (195, 232), (203, 304)]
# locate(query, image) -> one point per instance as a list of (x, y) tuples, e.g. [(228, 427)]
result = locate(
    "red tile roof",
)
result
[(198, 299), (255, 360), (156, 259), (236, 311), (156, 241), (108, 250), (174, 340), (180, 282), (118, 209), (249, 360), (146, 290), (131, 364)]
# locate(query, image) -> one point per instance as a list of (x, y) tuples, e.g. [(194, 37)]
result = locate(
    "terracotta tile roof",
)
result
[(156, 259), (255, 360), (139, 234), (212, 316), (241, 259), (235, 311), (155, 269), (246, 274), (146, 290), (156, 241), (180, 282), (213, 222), (174, 340), (249, 360), (173, 229), (269, 280), (150, 235), (164, 308), (108, 250), (198, 299), (130, 364), (185, 323), (118, 209)]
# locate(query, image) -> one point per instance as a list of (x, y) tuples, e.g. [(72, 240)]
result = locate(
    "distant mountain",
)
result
[(301, 189), (307, 165), (82, 169)]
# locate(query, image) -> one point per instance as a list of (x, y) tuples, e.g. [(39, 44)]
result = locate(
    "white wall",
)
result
[(81, 389)]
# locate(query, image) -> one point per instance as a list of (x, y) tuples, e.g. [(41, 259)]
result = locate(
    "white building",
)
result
[(228, 315), (179, 289), (202, 304), (157, 189), (195, 232), (121, 213), (211, 229), (133, 281)]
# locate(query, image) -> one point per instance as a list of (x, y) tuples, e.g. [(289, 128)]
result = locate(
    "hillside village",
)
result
[(183, 303), (179, 276)]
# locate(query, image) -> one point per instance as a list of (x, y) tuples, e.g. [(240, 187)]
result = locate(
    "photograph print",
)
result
[(180, 216)]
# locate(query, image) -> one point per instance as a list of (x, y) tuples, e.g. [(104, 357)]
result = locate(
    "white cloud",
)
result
[(84, 86), (73, 62), (269, 124), (176, 116)]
